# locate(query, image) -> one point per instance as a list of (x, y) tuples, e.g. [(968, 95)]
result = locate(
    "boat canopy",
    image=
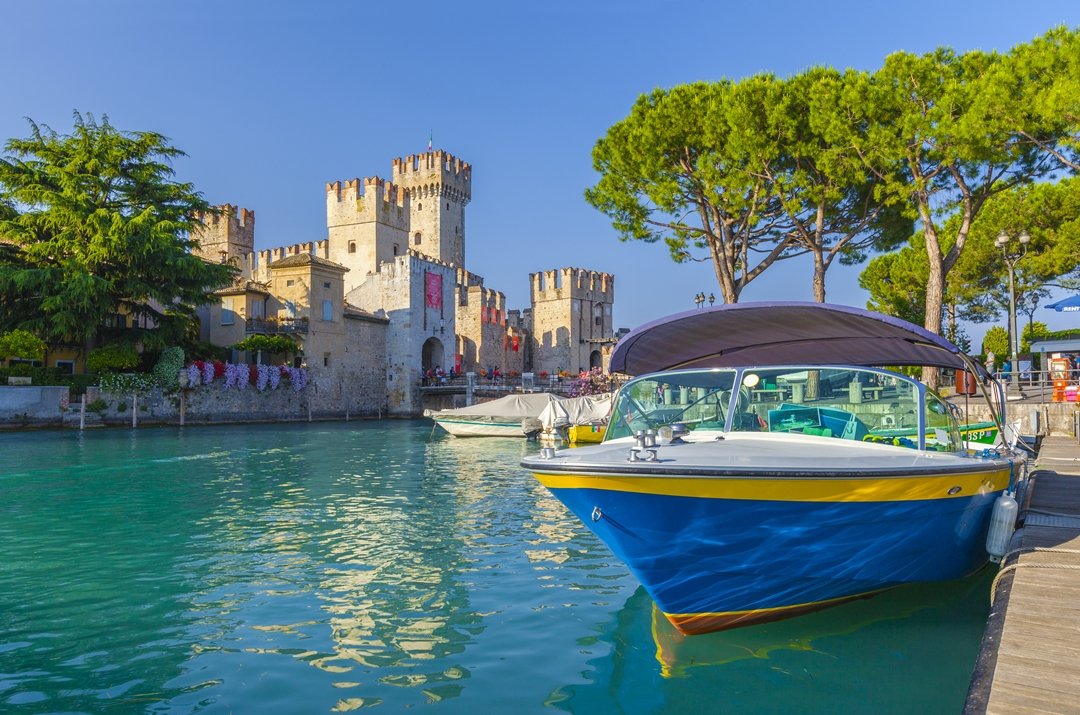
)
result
[(576, 411), (783, 333)]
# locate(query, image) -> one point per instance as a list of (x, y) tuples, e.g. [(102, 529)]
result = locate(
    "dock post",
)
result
[(82, 413), (134, 410)]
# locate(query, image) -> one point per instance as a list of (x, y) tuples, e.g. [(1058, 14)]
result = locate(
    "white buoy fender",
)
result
[(1002, 523)]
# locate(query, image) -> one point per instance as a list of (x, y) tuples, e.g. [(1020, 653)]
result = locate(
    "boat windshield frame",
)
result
[(889, 407)]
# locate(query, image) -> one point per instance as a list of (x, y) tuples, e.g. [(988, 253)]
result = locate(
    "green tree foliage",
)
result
[(95, 226), (112, 357), (745, 174), (671, 171), (996, 341), (938, 139), (266, 344), (21, 344), (1031, 333), (1044, 78)]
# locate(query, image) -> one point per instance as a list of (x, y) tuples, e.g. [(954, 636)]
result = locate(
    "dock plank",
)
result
[(1030, 659)]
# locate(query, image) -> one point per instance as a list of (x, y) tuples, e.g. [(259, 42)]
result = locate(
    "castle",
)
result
[(386, 295)]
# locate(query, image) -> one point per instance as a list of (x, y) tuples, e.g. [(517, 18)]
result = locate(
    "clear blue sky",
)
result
[(271, 100)]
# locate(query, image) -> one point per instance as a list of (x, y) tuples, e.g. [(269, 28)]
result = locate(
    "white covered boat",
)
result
[(511, 416), (577, 419)]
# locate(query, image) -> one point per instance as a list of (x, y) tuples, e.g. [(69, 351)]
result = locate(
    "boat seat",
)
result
[(818, 431)]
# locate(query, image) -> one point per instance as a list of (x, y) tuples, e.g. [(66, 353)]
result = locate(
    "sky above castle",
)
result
[(272, 100)]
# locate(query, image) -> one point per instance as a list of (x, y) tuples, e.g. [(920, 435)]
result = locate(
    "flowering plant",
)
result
[(128, 382), (262, 377), (194, 374), (207, 371), (238, 375), (274, 376), (592, 382), (298, 377), (219, 368)]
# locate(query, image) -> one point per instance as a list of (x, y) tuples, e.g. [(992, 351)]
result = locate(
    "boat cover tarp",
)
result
[(782, 333), (505, 409), (591, 409)]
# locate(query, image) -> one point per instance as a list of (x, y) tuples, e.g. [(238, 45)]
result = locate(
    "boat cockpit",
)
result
[(852, 403)]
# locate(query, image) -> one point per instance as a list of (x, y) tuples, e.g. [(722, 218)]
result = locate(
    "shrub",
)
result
[(127, 383), (266, 344), (168, 366), (21, 344), (98, 405), (112, 357)]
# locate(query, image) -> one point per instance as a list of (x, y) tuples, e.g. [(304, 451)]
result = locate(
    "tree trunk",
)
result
[(819, 277)]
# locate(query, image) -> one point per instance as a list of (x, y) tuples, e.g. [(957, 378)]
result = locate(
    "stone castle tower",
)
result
[(571, 325), (439, 186), (226, 235), (367, 225)]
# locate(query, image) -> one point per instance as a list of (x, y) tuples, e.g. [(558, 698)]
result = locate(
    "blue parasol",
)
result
[(1068, 305)]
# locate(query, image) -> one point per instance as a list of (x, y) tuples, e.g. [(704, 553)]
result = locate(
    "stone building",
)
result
[(394, 260), (570, 323)]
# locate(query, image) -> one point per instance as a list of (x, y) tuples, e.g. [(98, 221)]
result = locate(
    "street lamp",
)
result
[(699, 299), (712, 299), (1012, 255)]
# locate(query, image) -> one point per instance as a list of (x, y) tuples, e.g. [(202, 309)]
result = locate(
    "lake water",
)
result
[(340, 566)]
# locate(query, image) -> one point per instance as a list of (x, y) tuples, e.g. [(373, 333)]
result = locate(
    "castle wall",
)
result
[(398, 292)]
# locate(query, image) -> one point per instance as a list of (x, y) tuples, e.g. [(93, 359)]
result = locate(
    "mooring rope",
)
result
[(1026, 564)]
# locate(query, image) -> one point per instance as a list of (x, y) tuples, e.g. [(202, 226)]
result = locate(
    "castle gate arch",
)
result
[(595, 360), (432, 354)]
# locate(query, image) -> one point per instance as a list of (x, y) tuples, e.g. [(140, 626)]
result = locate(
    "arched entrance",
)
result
[(432, 355), (595, 360)]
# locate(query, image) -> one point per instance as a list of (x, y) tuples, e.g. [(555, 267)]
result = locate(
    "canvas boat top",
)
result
[(512, 408), (780, 333), (589, 409)]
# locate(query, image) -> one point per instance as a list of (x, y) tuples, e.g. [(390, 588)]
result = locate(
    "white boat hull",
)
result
[(470, 428)]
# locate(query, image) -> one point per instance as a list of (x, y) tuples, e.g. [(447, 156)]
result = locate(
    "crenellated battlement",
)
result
[(424, 257), (370, 199), (434, 174), (561, 283), (230, 213)]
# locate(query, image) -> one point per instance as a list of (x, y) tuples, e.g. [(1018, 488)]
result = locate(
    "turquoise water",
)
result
[(334, 567)]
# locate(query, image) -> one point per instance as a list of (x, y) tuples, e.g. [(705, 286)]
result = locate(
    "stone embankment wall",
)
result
[(49, 406)]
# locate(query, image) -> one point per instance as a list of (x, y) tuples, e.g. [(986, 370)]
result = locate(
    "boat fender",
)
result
[(1002, 523)]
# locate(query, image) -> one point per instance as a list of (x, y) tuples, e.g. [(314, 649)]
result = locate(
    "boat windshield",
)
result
[(697, 398), (860, 404)]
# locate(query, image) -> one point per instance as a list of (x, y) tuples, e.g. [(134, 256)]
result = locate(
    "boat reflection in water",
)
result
[(748, 473), (910, 649)]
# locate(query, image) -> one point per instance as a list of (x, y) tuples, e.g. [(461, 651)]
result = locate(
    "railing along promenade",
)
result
[(275, 327)]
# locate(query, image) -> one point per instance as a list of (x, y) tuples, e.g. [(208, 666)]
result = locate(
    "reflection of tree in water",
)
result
[(840, 659)]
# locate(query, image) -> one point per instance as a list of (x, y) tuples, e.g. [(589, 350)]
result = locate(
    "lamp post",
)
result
[(699, 299), (1012, 255), (712, 299)]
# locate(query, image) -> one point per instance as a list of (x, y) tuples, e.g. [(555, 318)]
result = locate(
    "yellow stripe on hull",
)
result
[(809, 489)]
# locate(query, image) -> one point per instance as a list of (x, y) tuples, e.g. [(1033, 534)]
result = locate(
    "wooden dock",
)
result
[(1029, 661)]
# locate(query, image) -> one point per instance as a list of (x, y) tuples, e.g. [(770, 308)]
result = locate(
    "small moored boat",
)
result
[(511, 416), (747, 475)]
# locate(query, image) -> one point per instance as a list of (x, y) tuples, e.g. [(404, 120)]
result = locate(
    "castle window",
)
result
[(327, 310), (289, 282), (326, 359), (395, 249), (352, 246), (598, 320), (228, 317), (419, 207), (447, 205), (326, 285), (416, 238)]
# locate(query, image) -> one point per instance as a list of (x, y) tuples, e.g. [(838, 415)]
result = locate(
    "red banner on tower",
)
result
[(515, 343), (433, 289)]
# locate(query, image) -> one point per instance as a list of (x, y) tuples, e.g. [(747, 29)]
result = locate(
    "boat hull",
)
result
[(713, 556), (586, 434), (475, 428)]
